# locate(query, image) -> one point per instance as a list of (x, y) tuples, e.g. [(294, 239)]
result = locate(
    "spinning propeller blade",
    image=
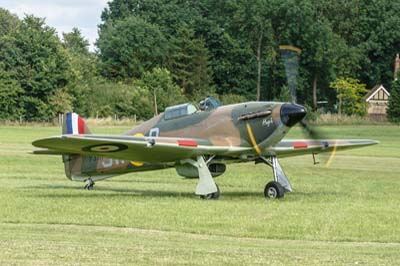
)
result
[(290, 58)]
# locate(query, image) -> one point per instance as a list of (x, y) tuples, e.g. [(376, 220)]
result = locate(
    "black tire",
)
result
[(274, 190), (212, 196), (89, 186)]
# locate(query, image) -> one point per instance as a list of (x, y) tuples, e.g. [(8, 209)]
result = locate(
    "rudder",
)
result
[(73, 124)]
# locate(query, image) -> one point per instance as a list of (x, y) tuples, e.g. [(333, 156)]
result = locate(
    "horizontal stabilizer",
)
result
[(50, 152)]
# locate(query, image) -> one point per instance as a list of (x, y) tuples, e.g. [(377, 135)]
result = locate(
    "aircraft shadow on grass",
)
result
[(102, 192)]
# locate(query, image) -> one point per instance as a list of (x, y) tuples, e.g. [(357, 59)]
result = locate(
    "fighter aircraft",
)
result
[(197, 143)]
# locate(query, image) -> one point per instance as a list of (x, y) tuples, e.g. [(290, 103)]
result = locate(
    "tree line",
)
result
[(175, 51)]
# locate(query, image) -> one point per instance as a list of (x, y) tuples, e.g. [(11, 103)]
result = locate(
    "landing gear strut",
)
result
[(89, 185), (276, 189), (206, 188)]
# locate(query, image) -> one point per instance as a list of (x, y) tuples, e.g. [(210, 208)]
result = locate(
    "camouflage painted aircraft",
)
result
[(197, 143)]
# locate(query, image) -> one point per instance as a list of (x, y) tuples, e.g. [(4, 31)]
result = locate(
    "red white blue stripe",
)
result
[(75, 124)]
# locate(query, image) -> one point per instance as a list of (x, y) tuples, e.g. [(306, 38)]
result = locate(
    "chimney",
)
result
[(396, 66)]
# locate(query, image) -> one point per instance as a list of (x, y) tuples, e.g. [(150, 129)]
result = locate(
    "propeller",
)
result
[(290, 59)]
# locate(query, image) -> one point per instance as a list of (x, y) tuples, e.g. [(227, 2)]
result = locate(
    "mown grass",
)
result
[(346, 214)]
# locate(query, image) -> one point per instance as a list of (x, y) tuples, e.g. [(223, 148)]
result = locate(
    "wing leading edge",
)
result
[(286, 148), (141, 149)]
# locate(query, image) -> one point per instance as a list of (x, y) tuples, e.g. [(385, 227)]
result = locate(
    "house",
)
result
[(377, 101)]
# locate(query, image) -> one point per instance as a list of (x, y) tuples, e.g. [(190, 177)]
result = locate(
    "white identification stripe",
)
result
[(74, 123)]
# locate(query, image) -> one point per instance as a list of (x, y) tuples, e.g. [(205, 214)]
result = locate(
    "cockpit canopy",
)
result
[(206, 105), (179, 111), (209, 103)]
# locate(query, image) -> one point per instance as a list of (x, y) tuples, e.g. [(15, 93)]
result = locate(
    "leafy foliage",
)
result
[(34, 66), (158, 83), (83, 70), (229, 49), (75, 42), (130, 47), (350, 94), (10, 93), (189, 63), (8, 22)]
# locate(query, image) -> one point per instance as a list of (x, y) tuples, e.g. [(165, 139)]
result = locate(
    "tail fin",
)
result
[(74, 124), (84, 167)]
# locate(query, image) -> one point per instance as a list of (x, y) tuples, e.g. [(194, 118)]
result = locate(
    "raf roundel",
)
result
[(107, 147)]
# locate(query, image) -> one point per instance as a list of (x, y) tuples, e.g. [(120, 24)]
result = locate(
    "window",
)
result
[(154, 132), (179, 111)]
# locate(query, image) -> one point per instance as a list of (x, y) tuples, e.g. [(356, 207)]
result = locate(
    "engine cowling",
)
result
[(189, 171)]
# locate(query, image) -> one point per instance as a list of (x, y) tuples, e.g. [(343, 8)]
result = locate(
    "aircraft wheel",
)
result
[(89, 186), (212, 196), (274, 190)]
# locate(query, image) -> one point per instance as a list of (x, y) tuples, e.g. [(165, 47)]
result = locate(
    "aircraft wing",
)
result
[(133, 148), (286, 148)]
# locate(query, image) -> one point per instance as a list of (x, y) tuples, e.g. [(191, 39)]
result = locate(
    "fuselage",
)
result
[(245, 124)]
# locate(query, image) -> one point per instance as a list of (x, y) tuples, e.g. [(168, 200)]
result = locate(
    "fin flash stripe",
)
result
[(252, 139), (75, 124)]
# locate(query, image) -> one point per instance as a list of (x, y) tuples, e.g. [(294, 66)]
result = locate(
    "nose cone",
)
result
[(292, 113)]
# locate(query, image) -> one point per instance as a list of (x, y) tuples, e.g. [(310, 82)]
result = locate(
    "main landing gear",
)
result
[(276, 189), (206, 188), (212, 196), (89, 185)]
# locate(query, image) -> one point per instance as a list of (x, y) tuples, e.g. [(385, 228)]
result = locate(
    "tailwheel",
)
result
[(274, 190), (212, 196), (89, 186)]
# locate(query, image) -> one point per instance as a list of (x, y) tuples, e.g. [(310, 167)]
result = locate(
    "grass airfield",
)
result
[(347, 214)]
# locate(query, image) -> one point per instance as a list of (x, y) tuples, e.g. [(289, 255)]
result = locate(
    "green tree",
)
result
[(189, 64), (161, 88), (75, 42), (379, 33), (60, 102), (10, 94), (130, 47), (84, 70), (8, 22), (10, 89), (169, 15), (393, 111), (255, 25), (232, 63), (35, 62), (321, 53), (106, 98), (350, 93)]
